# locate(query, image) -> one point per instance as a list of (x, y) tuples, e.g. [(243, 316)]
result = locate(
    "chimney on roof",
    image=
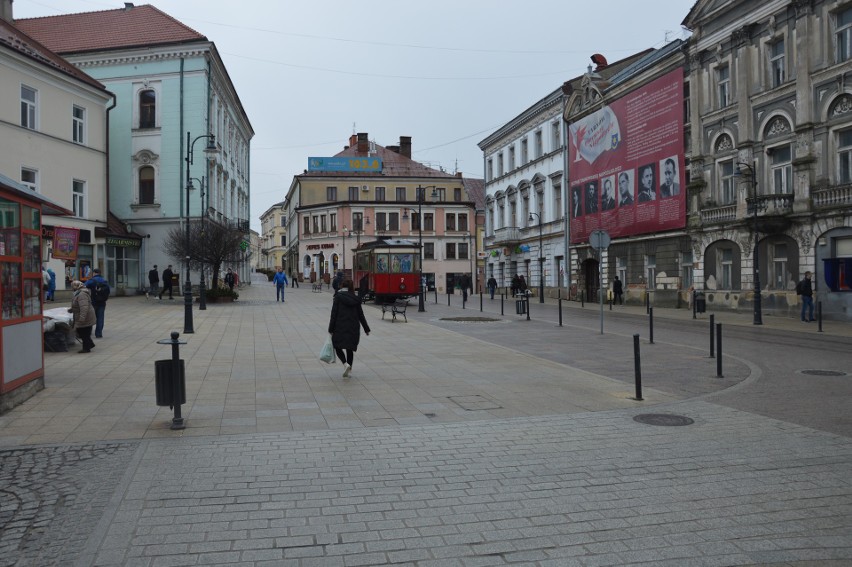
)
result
[(405, 146), (353, 139), (128, 6), (6, 10), (363, 142), (394, 149)]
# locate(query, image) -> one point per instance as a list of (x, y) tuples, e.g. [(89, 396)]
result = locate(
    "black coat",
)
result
[(347, 318)]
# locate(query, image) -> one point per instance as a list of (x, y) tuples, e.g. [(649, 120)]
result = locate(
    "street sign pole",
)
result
[(599, 240)]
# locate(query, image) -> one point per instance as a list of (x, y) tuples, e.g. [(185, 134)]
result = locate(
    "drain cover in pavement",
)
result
[(474, 403), (470, 319), (663, 419), (824, 372)]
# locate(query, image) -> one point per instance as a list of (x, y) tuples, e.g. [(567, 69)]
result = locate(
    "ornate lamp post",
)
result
[(187, 286), (752, 205), (540, 258), (421, 196)]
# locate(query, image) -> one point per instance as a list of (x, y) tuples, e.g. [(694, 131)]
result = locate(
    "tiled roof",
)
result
[(136, 26), (16, 40), (393, 165), (475, 191)]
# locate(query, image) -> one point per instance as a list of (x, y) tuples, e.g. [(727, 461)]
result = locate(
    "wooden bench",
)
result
[(398, 307)]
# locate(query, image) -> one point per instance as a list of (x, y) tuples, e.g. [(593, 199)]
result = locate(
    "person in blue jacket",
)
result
[(100, 290), (280, 281)]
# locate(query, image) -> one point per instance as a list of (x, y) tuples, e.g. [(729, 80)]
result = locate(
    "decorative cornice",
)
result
[(843, 105), (802, 7), (133, 58), (778, 127)]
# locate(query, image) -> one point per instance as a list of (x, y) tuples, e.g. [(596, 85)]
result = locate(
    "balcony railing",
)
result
[(506, 236), (832, 196), (714, 214), (771, 205)]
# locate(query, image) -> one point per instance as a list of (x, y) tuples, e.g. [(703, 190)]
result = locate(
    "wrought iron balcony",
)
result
[(240, 225)]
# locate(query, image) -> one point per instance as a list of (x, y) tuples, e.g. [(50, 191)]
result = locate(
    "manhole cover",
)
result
[(663, 419), (470, 319), (824, 372)]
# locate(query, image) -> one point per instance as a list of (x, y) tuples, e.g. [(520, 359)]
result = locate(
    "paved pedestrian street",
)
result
[(387, 469)]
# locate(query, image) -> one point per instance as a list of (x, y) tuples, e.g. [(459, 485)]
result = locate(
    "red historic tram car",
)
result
[(386, 270)]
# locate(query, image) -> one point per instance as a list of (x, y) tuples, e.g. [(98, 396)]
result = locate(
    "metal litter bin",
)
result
[(164, 381), (520, 305), (700, 302)]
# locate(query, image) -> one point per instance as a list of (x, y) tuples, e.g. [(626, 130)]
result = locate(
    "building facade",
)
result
[(173, 92), (53, 123), (336, 211), (771, 115)]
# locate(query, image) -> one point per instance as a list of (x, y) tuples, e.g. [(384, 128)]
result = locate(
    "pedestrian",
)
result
[(153, 282), (294, 282), (522, 284), (492, 286), (347, 318), (99, 289), (618, 291), (280, 281), (51, 287), (515, 285), (167, 282), (338, 279), (84, 314), (229, 279), (45, 282), (805, 288), (464, 284)]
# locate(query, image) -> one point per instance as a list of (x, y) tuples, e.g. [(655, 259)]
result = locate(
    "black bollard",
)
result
[(480, 301), (560, 311), (527, 299), (610, 304), (464, 301), (719, 349), (819, 316), (712, 349), (637, 365), (651, 323), (582, 300), (436, 295), (502, 296), (448, 298)]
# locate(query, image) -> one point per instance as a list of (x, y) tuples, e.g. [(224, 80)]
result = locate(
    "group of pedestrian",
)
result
[(518, 285), (48, 278), (154, 283), (88, 307)]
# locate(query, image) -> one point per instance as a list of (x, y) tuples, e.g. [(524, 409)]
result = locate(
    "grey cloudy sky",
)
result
[(445, 72)]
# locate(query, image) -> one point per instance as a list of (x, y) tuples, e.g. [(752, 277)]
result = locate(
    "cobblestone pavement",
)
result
[(578, 490), (51, 498), (445, 449)]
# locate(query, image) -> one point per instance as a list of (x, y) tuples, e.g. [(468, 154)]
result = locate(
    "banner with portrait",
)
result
[(65, 242), (626, 172)]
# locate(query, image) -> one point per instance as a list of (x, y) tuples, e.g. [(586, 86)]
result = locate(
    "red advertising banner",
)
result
[(626, 164), (65, 241)]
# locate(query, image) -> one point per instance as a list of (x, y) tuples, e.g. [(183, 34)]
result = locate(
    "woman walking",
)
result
[(347, 318), (84, 314)]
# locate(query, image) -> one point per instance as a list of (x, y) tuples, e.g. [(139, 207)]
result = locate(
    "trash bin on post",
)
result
[(700, 302), (520, 304), (164, 382)]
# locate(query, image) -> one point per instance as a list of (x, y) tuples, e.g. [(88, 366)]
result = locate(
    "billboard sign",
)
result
[(626, 173), (345, 164)]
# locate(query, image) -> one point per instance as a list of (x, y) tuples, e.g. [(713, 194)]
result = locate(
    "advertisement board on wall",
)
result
[(627, 164)]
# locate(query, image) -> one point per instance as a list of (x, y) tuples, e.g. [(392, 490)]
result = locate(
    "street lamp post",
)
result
[(421, 307), (202, 285), (187, 286), (540, 258), (758, 311), (345, 232)]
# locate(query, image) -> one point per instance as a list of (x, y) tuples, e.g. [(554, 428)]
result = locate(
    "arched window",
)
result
[(146, 185), (147, 109)]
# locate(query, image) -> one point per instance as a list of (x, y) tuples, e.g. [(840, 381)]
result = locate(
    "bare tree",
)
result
[(210, 243)]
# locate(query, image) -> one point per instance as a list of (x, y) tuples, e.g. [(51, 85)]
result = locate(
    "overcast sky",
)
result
[(446, 72)]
